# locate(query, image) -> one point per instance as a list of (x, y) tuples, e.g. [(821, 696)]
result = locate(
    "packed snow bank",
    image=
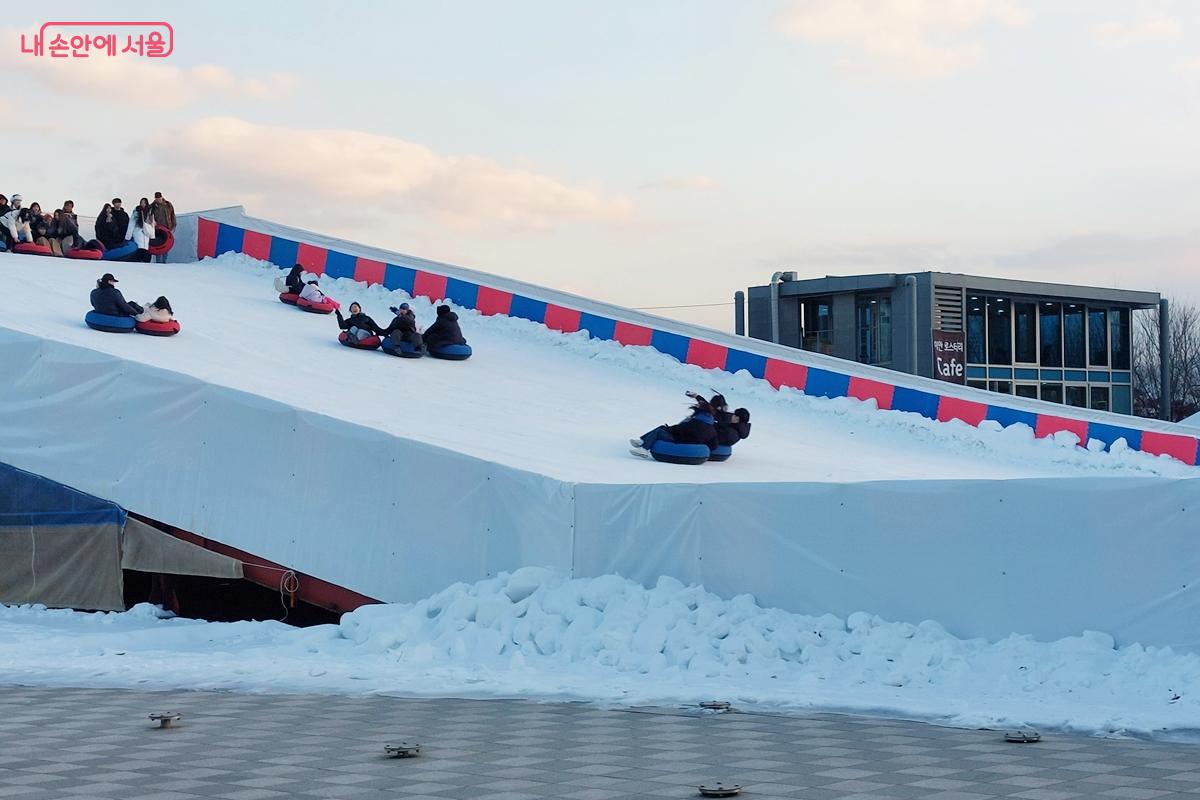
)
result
[(535, 634), (559, 405)]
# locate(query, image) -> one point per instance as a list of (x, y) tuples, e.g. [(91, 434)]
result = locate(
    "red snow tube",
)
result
[(162, 242), (90, 255), (325, 307), (153, 328), (291, 298), (369, 343), (31, 249)]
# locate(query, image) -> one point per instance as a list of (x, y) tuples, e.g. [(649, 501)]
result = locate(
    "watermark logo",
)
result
[(85, 39)]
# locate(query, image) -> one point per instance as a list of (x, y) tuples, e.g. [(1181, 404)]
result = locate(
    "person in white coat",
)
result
[(141, 225), (158, 311), (312, 293), (16, 228)]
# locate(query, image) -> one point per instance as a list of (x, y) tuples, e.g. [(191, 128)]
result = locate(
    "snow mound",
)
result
[(538, 634)]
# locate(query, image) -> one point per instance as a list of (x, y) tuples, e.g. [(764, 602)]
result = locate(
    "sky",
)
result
[(652, 154)]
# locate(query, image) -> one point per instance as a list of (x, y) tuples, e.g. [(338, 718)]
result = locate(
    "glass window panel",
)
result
[(1003, 387), (976, 330), (977, 384), (1029, 390), (1026, 327), (1052, 392), (999, 317), (1051, 330), (1119, 324), (1099, 398), (1122, 400), (1077, 396), (1097, 337), (818, 325), (1073, 350), (874, 320)]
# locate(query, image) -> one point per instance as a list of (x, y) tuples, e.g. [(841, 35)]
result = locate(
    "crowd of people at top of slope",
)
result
[(60, 231), (107, 299), (402, 329), (711, 423)]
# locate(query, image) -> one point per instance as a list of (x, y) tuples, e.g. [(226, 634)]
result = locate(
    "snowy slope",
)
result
[(560, 405), (612, 641)]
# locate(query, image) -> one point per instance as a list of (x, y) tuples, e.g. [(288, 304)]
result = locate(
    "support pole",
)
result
[(739, 313), (910, 281), (1164, 361)]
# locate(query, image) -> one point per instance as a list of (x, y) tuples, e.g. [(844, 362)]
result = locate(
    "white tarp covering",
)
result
[(397, 519)]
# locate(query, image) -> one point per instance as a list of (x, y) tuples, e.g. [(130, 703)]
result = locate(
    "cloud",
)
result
[(1126, 34), (350, 176), (906, 38), (98, 77), (695, 183)]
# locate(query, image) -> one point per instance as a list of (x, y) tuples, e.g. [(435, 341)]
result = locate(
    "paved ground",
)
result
[(94, 743)]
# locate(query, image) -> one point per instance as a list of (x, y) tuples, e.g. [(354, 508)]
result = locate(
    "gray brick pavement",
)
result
[(72, 744)]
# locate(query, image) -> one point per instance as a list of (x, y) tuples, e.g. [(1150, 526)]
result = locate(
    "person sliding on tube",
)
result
[(295, 280), (311, 293), (403, 328), (107, 299), (698, 428), (444, 330), (158, 311), (358, 326), (733, 427)]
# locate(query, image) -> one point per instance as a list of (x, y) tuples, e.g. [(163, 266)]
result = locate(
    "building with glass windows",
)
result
[(1060, 343)]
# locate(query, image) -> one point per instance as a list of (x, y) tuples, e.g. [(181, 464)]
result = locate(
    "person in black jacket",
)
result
[(295, 280), (39, 228), (444, 330), (107, 230), (107, 299), (358, 326), (732, 427), (120, 222), (404, 327), (696, 429)]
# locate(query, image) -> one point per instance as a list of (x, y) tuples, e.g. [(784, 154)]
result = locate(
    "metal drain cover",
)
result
[(1022, 736), (719, 789), (167, 718), (716, 705), (402, 749)]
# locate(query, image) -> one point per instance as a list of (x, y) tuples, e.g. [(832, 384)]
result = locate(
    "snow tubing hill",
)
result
[(369, 343), (403, 349), (451, 352), (31, 249), (109, 323), (162, 242), (152, 328), (121, 251), (675, 453)]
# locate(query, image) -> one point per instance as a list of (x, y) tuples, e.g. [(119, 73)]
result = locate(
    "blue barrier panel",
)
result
[(462, 293), (339, 265), (670, 343), (753, 363), (823, 383), (598, 327), (229, 239), (923, 403), (283, 252), (1011, 416), (527, 308), (1110, 433), (399, 278)]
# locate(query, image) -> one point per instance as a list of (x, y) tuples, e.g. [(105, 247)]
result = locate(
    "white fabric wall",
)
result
[(397, 520)]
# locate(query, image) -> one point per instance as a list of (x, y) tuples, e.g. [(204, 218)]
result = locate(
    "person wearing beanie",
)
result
[(444, 330), (107, 299), (732, 427), (15, 223), (698, 428)]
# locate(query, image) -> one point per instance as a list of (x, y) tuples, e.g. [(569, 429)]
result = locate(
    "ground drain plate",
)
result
[(716, 705), (402, 750), (166, 719), (1022, 736), (719, 789)]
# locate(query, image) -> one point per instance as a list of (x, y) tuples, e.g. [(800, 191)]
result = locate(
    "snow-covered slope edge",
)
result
[(608, 640)]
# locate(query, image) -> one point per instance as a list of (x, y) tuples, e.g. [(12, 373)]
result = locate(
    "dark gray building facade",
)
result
[(1055, 342)]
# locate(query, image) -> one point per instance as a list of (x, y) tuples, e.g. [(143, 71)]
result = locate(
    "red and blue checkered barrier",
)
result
[(214, 238)]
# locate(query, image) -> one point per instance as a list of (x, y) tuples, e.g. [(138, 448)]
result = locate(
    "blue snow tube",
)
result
[(3, 246), (451, 352), (403, 350), (675, 453), (120, 251), (109, 323), (721, 452)]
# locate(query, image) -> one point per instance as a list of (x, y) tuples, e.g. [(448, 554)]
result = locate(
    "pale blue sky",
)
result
[(658, 153)]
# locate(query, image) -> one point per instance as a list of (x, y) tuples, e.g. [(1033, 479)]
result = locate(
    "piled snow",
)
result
[(539, 635), (531, 398)]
